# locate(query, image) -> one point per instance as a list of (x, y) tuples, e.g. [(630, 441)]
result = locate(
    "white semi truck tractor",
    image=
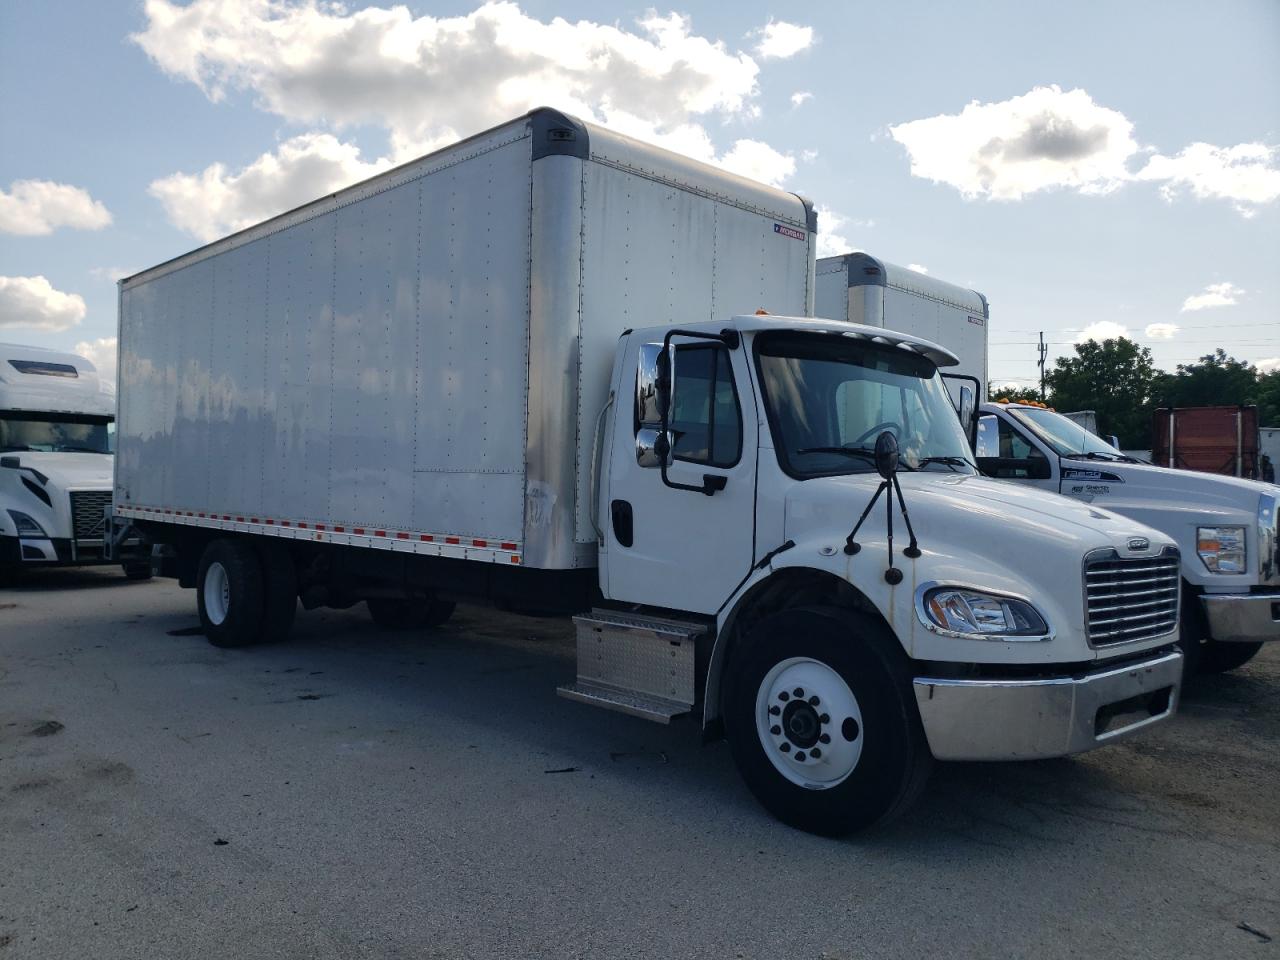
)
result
[(1225, 527), (56, 419), (528, 369)]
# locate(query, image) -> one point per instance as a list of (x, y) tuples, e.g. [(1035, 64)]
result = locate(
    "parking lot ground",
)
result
[(355, 793)]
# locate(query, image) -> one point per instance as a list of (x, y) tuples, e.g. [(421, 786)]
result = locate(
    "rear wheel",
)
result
[(392, 613), (229, 593), (822, 723)]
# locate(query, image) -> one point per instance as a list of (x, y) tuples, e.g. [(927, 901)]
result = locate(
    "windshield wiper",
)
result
[(951, 462), (863, 452), (80, 450)]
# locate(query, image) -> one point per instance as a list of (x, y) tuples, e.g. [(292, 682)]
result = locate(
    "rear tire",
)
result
[(1216, 657), (280, 590), (229, 593), (874, 761), (391, 613), (137, 570)]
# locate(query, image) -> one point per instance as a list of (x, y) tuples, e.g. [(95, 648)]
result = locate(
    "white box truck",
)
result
[(56, 419), (526, 369), (1226, 529)]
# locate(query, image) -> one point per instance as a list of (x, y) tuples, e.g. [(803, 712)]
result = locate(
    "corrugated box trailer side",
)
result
[(416, 363)]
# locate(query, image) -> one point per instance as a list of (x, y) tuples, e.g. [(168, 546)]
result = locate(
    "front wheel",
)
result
[(822, 723), (1216, 657)]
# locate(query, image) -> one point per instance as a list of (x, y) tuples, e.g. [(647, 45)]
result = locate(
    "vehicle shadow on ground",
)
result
[(65, 579), (501, 670)]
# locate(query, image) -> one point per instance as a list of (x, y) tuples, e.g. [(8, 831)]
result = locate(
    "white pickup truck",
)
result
[(56, 419), (1226, 527), (527, 369)]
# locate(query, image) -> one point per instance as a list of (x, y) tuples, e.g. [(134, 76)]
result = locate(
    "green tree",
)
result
[(1114, 378), (1266, 394), (1011, 393), (1213, 380)]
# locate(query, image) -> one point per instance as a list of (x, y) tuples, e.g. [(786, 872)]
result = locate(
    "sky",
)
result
[(1094, 169)]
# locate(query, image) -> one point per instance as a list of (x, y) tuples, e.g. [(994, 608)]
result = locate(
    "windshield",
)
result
[(829, 397), (1067, 437), (53, 432)]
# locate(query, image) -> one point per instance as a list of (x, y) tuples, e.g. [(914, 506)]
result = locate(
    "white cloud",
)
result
[(111, 274), (759, 161), (102, 354), (1161, 331), (216, 201), (831, 227), (1244, 174), (779, 39), (1269, 365), (33, 302), (800, 96), (1102, 330), (37, 207), (1043, 139), (1215, 295), (918, 268), (430, 79)]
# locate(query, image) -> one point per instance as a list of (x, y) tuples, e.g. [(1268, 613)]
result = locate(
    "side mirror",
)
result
[(968, 411), (653, 400), (886, 454), (647, 411), (1114, 441)]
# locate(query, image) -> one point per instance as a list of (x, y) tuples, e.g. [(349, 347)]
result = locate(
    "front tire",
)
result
[(1217, 657), (229, 593), (855, 757)]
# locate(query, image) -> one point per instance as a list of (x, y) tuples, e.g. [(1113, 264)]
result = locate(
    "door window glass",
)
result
[(706, 418)]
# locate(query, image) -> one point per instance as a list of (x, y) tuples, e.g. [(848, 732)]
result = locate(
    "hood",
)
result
[(1144, 483), (960, 506), (71, 471)]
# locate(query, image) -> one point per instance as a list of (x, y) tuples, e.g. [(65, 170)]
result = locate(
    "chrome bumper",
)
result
[(1046, 717), (1242, 617)]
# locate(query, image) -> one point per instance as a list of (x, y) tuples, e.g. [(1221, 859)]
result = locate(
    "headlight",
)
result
[(982, 614), (1221, 548), (26, 526)]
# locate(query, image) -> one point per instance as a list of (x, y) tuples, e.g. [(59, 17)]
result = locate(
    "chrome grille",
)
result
[(88, 512), (1131, 600)]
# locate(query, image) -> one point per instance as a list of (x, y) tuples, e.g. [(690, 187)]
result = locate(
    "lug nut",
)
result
[(825, 738), (813, 701), (775, 730), (799, 693), (784, 696), (815, 753), (785, 748), (775, 710), (800, 756), (825, 718)]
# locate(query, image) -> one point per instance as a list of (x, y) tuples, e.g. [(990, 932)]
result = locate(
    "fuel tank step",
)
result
[(638, 665)]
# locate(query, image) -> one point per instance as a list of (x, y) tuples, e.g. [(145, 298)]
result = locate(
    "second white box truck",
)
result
[(528, 369)]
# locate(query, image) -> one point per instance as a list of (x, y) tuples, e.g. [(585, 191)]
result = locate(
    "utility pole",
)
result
[(1044, 352)]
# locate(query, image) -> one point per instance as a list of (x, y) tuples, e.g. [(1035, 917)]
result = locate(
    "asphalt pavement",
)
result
[(355, 793)]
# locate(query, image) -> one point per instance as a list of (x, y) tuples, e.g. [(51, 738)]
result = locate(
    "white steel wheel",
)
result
[(809, 723), (217, 593)]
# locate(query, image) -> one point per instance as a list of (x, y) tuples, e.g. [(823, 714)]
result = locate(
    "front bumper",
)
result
[(1029, 719), (1242, 617), (62, 552)]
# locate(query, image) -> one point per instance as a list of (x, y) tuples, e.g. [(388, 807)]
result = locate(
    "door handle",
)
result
[(623, 522)]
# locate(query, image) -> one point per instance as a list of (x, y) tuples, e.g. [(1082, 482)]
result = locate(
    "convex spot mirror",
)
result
[(886, 454)]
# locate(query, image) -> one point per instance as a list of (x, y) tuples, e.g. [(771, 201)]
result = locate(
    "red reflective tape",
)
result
[(301, 525), (359, 530), (379, 533), (319, 526), (426, 538), (225, 517), (339, 529), (509, 546), (284, 523), (270, 522), (515, 559), (402, 536), (253, 519), (452, 540), (479, 543), (239, 519), (200, 515)]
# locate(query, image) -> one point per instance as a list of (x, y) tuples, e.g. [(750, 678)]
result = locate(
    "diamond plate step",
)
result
[(633, 704)]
